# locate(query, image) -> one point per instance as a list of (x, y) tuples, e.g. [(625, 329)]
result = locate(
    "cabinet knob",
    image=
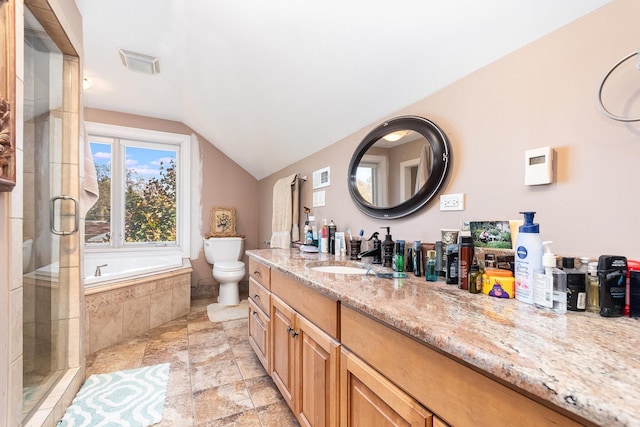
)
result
[(293, 333), (256, 296), (256, 273)]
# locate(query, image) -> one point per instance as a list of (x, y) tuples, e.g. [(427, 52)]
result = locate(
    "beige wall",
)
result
[(224, 183), (543, 94)]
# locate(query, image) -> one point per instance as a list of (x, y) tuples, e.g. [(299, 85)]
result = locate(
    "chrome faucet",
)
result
[(98, 273)]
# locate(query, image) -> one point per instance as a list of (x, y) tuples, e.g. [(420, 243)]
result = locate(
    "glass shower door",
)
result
[(45, 301)]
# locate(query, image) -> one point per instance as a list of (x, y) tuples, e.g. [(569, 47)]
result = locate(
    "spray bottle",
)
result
[(528, 257)]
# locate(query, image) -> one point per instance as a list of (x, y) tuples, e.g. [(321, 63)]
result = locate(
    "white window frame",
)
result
[(380, 165), (182, 144)]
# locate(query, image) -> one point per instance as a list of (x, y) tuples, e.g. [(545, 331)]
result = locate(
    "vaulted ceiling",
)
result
[(271, 82)]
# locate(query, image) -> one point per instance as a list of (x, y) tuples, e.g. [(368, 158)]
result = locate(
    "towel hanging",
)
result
[(285, 219)]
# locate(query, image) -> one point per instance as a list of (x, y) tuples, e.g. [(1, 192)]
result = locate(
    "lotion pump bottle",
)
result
[(550, 286), (528, 257)]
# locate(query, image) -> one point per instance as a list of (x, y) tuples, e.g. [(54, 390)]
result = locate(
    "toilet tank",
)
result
[(218, 249)]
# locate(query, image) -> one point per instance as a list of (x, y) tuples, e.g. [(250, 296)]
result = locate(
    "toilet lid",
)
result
[(229, 265)]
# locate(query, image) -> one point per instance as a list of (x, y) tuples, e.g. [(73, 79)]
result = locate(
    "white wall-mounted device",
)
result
[(538, 166), (319, 199), (322, 177)]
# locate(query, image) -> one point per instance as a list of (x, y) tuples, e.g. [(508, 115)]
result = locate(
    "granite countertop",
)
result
[(582, 362)]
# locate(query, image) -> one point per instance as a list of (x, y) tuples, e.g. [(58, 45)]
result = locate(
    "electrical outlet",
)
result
[(452, 202)]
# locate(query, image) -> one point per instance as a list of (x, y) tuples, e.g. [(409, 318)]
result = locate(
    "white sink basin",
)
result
[(340, 269)]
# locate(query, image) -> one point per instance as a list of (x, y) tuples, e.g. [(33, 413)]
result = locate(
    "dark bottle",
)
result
[(387, 249), (634, 293), (408, 259), (451, 274), (576, 289), (475, 279), (441, 259), (612, 284), (465, 259), (417, 258), (332, 237)]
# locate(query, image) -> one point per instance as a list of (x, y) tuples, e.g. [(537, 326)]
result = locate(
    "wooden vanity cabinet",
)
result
[(259, 312), (305, 358)]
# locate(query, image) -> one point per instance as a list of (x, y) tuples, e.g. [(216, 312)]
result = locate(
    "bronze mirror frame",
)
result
[(439, 171)]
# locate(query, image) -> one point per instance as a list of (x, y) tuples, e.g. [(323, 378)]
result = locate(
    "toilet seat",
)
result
[(229, 266)]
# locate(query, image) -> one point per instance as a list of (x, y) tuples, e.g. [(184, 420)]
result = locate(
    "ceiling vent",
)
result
[(139, 62)]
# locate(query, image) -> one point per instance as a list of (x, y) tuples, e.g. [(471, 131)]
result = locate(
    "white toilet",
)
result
[(225, 254)]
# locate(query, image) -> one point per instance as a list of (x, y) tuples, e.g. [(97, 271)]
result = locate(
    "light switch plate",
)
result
[(318, 198), (452, 202)]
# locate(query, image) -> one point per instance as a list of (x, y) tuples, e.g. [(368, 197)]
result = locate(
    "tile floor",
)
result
[(215, 378)]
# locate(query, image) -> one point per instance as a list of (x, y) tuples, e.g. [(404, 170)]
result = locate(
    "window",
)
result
[(371, 178), (143, 180)]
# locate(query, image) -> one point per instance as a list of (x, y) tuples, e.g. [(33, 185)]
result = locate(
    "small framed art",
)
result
[(223, 222)]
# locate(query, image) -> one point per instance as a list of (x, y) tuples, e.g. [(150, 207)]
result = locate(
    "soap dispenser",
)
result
[(387, 247), (550, 285), (528, 257)]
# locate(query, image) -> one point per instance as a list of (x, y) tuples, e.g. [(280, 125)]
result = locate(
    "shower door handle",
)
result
[(52, 216)]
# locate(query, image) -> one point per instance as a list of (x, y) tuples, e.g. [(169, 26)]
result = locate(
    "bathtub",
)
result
[(133, 295), (117, 267)]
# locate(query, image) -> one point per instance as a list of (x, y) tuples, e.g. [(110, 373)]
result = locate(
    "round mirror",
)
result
[(398, 167)]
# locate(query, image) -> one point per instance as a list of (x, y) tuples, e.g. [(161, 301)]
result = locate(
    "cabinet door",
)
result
[(283, 345), (369, 399), (317, 389), (259, 337)]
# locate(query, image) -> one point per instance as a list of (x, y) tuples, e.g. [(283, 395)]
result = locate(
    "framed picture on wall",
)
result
[(7, 95), (223, 222)]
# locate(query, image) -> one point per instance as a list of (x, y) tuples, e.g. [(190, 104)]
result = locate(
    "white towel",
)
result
[(424, 167), (90, 193), (283, 211)]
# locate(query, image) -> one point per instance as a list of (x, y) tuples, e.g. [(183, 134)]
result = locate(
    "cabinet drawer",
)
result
[(259, 335), (260, 296), (260, 272), (321, 310)]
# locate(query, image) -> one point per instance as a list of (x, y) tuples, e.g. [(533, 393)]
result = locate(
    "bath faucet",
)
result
[(98, 273), (375, 253)]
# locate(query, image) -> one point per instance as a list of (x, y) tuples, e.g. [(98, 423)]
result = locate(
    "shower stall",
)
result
[(50, 215)]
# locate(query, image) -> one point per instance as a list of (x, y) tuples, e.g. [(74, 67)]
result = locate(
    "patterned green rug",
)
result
[(133, 398)]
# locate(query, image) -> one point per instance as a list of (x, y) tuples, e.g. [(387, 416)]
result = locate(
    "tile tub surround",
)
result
[(579, 362), (124, 310)]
